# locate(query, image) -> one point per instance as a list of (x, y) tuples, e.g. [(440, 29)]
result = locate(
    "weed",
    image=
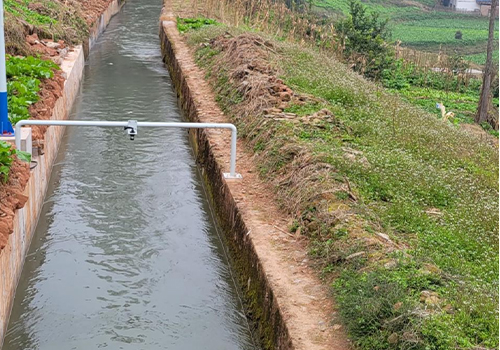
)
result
[(185, 24), (52, 19)]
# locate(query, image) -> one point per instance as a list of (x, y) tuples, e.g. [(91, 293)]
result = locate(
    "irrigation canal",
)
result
[(126, 254)]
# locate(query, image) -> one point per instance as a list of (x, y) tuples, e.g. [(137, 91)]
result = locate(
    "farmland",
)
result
[(421, 25)]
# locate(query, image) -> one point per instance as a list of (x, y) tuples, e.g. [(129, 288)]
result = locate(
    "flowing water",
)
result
[(126, 254)]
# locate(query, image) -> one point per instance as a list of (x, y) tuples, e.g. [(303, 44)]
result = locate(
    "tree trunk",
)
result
[(484, 101)]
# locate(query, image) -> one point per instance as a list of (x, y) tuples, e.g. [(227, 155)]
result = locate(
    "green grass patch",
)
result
[(20, 9), (480, 58), (52, 19), (185, 24), (430, 187), (462, 104)]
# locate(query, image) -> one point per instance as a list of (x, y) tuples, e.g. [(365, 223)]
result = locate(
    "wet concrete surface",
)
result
[(126, 254)]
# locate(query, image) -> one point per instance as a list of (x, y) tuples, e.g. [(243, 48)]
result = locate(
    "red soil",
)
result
[(12, 198), (50, 92), (92, 9), (11, 193)]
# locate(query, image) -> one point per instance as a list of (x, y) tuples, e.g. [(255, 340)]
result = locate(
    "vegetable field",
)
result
[(425, 27)]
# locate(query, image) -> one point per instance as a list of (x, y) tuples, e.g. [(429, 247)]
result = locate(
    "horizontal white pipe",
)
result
[(139, 124)]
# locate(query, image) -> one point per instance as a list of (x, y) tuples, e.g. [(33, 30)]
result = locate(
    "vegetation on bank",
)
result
[(399, 206), (360, 39), (7, 157), (50, 19), (185, 24), (422, 25), (24, 75)]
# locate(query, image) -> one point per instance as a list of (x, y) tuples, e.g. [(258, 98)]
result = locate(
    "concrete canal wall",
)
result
[(262, 306), (287, 305)]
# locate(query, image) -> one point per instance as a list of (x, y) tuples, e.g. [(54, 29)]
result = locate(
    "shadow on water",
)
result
[(125, 255)]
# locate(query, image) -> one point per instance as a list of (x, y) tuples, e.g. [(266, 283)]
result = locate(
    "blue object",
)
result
[(5, 125)]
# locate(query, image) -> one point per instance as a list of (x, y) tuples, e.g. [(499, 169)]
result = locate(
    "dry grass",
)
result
[(269, 16)]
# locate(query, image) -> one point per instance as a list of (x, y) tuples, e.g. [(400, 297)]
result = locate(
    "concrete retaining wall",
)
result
[(13, 255), (100, 26)]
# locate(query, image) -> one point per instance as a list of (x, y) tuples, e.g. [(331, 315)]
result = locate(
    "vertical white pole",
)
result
[(5, 125)]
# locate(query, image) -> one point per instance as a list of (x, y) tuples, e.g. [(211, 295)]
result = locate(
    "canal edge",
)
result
[(12, 257), (275, 297)]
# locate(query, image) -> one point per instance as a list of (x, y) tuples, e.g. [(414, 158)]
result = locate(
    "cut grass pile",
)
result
[(400, 208)]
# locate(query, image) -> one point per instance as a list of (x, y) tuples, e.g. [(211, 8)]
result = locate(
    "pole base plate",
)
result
[(235, 176)]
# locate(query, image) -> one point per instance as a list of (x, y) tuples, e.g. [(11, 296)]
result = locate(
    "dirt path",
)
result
[(305, 303)]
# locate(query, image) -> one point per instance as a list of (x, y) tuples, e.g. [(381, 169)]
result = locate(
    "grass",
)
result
[(426, 29), (480, 58), (185, 24), (394, 170), (464, 105), (52, 19)]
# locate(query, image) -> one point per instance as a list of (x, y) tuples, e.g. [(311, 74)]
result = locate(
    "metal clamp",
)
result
[(131, 129)]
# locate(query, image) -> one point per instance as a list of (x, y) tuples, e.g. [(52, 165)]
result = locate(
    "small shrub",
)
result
[(364, 40)]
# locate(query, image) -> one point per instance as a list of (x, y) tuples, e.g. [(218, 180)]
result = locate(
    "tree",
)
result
[(364, 41), (484, 101)]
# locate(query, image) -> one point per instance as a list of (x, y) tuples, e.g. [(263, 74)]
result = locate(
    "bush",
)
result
[(363, 39)]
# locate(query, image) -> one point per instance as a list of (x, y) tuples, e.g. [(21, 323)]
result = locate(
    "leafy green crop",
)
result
[(23, 83), (425, 29), (24, 76), (7, 154)]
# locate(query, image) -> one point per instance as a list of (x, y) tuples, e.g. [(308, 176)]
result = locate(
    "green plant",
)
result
[(363, 38), (23, 83), (185, 24), (20, 9), (7, 154), (49, 19), (425, 184)]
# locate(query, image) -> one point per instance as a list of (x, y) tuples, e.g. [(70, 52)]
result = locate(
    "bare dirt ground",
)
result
[(92, 9), (308, 309), (12, 198)]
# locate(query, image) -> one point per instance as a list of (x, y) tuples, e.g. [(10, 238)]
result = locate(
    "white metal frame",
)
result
[(131, 127)]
